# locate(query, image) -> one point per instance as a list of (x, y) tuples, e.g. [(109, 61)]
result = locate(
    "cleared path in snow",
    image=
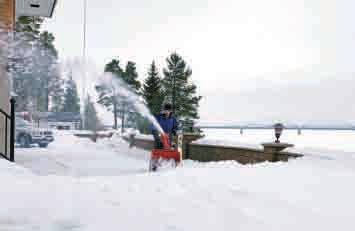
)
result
[(73, 156)]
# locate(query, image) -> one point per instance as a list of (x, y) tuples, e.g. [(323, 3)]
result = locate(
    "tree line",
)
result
[(40, 85), (34, 69), (174, 86)]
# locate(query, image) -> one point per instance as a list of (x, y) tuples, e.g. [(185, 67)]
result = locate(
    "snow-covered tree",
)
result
[(71, 98), (110, 97), (91, 121)]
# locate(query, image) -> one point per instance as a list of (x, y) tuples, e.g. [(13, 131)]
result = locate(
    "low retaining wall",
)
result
[(206, 152), (94, 136), (145, 144)]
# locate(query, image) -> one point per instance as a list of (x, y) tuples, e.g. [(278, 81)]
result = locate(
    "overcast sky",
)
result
[(253, 60)]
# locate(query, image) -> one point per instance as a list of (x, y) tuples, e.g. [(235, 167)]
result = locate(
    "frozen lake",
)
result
[(320, 139)]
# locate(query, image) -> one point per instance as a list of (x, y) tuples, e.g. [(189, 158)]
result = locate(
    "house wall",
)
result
[(7, 11), (4, 105)]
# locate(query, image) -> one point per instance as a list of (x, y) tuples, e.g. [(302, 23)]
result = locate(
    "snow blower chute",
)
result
[(166, 154)]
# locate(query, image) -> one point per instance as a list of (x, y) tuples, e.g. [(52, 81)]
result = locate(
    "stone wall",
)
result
[(204, 153), (145, 144)]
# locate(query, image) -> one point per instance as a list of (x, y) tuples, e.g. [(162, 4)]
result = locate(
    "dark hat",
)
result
[(167, 107)]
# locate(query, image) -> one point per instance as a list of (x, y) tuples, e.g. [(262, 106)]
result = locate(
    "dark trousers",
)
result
[(157, 142)]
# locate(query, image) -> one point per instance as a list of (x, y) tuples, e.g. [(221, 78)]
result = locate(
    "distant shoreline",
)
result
[(270, 127)]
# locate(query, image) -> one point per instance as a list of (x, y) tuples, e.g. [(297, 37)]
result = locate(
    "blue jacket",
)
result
[(169, 125)]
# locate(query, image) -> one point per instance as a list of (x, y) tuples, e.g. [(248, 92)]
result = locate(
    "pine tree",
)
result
[(57, 94), (33, 64), (29, 27), (114, 67), (178, 88), (71, 98), (130, 76), (152, 90), (92, 121), (125, 109), (109, 95), (25, 83)]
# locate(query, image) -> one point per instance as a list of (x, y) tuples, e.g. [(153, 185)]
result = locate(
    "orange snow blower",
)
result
[(166, 154)]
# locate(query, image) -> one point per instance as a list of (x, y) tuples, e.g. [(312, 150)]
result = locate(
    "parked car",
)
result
[(27, 134)]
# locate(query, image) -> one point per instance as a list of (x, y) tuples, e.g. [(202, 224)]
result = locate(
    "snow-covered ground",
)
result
[(73, 156), (79, 185)]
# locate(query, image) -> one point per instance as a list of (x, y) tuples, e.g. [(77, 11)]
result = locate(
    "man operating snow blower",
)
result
[(163, 141)]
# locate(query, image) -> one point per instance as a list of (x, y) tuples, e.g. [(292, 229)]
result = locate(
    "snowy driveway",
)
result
[(73, 156)]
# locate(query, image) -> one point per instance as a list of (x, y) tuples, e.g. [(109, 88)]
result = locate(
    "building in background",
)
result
[(58, 120)]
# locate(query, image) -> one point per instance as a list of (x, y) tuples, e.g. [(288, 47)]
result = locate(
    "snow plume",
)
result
[(121, 89), (85, 72)]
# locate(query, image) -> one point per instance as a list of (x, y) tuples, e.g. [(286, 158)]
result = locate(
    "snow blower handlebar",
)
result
[(165, 140)]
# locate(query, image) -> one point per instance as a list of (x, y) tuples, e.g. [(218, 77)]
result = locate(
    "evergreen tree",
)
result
[(114, 67), (110, 96), (27, 31), (130, 76), (125, 109), (107, 94), (152, 90), (57, 94), (179, 89), (92, 121), (71, 98), (33, 65), (29, 27)]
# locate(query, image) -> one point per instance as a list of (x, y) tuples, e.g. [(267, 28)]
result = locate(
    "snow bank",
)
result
[(71, 155)]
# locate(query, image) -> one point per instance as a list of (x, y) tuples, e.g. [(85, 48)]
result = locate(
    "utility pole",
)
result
[(84, 65)]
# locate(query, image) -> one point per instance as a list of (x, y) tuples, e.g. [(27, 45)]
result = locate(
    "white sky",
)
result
[(252, 60)]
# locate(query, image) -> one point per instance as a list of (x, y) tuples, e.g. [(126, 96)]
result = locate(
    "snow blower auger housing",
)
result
[(166, 154)]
